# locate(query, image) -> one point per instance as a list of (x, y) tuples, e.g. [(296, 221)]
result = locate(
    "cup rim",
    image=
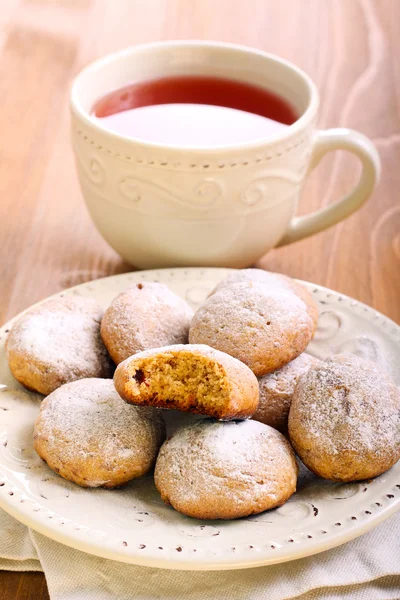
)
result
[(291, 130)]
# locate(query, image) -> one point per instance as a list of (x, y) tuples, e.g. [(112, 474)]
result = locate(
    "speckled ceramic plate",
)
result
[(133, 525)]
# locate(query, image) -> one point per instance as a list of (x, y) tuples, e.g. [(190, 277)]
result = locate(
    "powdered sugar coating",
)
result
[(264, 329), (344, 420), (276, 391), (57, 342), (214, 470), (146, 315), (271, 281), (87, 434)]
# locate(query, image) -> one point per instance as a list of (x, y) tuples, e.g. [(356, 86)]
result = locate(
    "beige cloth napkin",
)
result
[(367, 568)]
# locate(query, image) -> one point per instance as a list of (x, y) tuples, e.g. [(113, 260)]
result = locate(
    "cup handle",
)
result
[(364, 149)]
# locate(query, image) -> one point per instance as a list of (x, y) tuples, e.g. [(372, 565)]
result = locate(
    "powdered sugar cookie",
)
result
[(190, 378), (87, 434), (213, 470), (276, 391), (272, 281), (57, 342), (344, 421), (146, 315), (264, 329)]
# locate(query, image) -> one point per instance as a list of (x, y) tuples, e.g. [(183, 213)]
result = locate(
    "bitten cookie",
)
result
[(87, 434), (213, 470), (190, 378), (276, 391), (272, 281), (263, 329), (344, 421), (57, 342), (145, 316)]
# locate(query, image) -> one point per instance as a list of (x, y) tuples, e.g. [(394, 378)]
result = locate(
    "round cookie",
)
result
[(57, 342), (276, 391), (265, 330), (190, 378), (145, 316), (272, 281), (344, 420), (88, 435), (214, 470)]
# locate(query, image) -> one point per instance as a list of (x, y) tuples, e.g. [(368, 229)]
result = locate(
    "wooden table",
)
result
[(351, 48)]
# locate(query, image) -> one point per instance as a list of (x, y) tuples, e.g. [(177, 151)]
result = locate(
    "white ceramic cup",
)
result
[(160, 206)]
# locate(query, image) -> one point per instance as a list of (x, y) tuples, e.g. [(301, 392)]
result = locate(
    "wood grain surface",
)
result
[(351, 48)]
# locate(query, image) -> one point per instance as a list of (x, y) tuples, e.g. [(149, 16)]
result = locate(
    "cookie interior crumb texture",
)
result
[(189, 378)]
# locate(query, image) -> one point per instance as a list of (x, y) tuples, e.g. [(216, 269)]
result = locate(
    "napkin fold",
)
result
[(367, 568)]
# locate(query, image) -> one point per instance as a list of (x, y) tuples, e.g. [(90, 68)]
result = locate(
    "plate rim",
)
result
[(221, 564), (133, 556)]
